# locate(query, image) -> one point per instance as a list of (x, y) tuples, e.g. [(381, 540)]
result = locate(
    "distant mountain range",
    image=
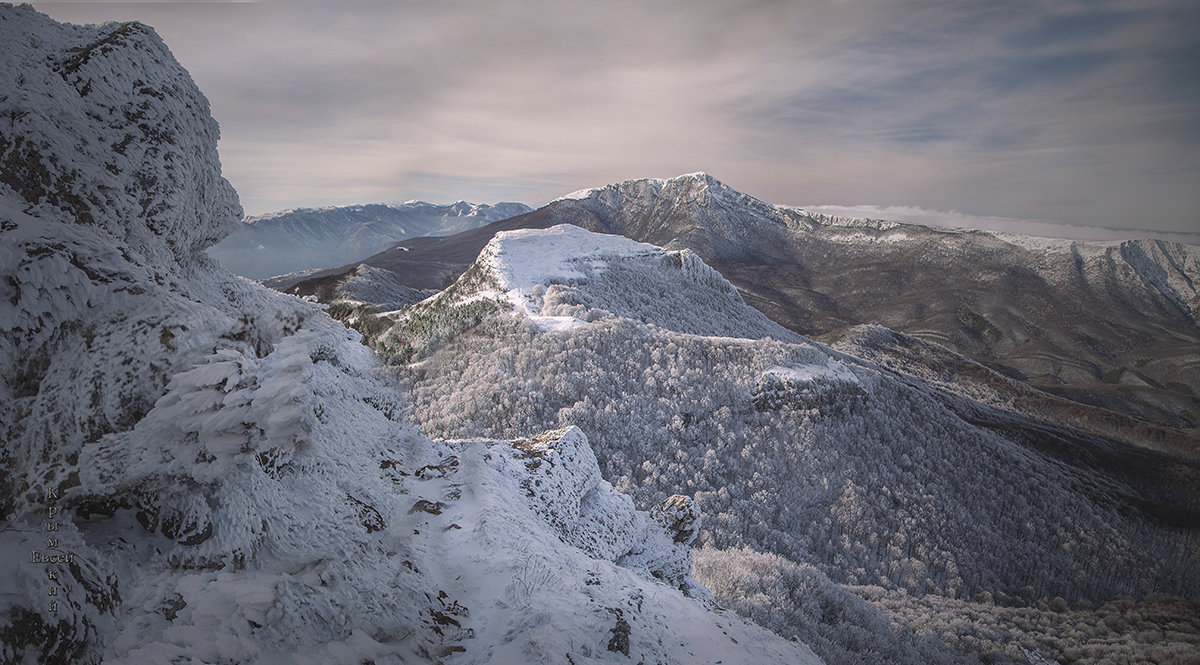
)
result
[(307, 238), (1110, 325)]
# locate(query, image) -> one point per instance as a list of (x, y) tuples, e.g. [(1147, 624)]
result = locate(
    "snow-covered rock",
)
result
[(819, 386), (105, 129), (562, 477), (680, 516)]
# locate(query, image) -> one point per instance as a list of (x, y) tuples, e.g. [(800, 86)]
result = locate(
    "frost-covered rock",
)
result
[(558, 471), (680, 516), (188, 426), (664, 551), (103, 126), (563, 479), (818, 386)]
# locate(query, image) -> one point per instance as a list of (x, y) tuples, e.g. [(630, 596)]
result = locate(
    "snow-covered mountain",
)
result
[(308, 238), (197, 469), (1107, 324), (842, 496), (1111, 325)]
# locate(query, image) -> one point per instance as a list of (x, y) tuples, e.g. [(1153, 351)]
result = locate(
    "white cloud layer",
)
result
[(954, 219)]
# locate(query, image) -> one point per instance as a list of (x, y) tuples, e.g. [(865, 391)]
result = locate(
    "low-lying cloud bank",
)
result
[(1041, 228)]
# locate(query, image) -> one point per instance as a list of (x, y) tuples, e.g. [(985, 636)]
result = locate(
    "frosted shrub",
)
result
[(797, 600)]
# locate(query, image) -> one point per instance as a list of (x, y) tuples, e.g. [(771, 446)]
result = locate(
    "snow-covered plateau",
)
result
[(196, 469)]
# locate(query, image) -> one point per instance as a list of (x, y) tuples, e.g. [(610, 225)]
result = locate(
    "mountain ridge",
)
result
[(1111, 325)]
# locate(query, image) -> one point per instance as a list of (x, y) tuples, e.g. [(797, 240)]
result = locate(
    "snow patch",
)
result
[(834, 371), (1089, 249), (861, 238), (527, 258), (578, 194), (557, 323)]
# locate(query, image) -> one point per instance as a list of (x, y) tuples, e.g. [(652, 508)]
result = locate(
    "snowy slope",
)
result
[(536, 600), (836, 474), (527, 265), (294, 240), (223, 469)]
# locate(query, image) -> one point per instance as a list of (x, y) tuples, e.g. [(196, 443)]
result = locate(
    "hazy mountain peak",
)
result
[(697, 184), (702, 180)]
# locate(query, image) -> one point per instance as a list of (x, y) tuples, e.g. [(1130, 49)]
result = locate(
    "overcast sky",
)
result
[(1085, 113)]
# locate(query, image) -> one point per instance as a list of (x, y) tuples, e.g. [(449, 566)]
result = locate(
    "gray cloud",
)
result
[(1083, 112)]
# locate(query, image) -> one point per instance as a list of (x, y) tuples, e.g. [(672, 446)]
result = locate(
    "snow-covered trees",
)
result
[(880, 485), (792, 450)]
